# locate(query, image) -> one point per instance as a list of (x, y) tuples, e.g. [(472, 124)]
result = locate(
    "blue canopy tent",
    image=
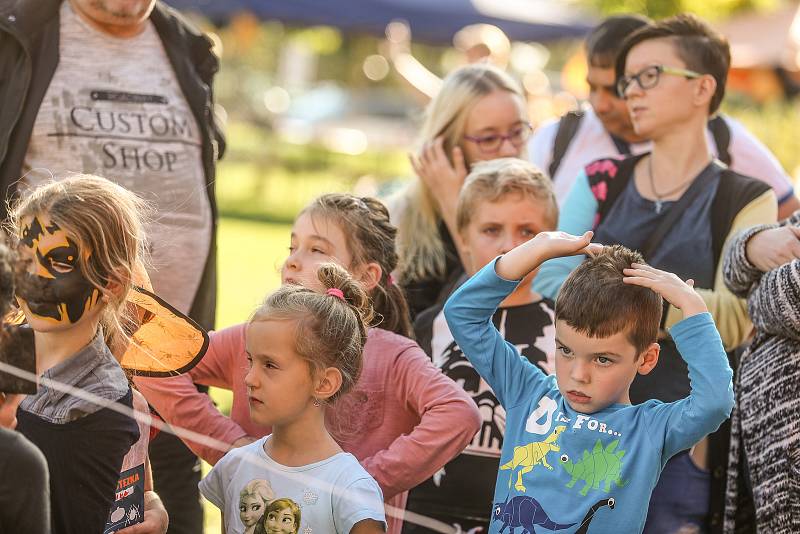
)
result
[(431, 21)]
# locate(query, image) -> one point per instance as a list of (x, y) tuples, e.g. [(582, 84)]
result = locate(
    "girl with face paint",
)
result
[(79, 241)]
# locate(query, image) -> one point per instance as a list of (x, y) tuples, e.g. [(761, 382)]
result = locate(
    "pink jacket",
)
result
[(403, 421)]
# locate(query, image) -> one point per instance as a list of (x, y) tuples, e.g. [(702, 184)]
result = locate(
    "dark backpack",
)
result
[(609, 176), (569, 123)]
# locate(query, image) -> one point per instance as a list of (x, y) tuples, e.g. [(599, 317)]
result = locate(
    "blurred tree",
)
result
[(710, 9)]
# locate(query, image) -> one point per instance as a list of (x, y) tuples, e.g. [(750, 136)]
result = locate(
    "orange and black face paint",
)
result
[(58, 290)]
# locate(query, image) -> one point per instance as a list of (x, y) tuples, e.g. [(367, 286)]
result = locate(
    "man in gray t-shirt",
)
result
[(122, 89)]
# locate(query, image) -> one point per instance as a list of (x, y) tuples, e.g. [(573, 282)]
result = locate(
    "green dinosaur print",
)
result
[(531, 454), (601, 466)]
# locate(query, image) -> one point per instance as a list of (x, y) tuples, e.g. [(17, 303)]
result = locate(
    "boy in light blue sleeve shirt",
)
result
[(578, 458)]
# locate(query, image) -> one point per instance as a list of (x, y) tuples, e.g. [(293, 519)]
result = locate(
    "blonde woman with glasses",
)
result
[(479, 114)]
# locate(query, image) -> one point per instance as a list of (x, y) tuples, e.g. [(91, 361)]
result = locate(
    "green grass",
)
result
[(250, 256), (265, 178)]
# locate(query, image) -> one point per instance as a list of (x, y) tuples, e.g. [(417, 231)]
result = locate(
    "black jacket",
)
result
[(29, 38)]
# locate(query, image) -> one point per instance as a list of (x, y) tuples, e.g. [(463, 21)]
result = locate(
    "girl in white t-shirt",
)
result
[(305, 351)]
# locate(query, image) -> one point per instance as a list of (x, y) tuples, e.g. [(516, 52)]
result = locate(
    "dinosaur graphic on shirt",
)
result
[(587, 519), (526, 512), (530, 455), (601, 466)]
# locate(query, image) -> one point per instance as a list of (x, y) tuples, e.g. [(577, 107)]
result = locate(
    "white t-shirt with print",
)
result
[(331, 495), (115, 108), (591, 141)]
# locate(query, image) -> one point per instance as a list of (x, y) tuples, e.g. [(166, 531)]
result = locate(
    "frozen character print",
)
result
[(602, 466), (282, 516), (253, 501)]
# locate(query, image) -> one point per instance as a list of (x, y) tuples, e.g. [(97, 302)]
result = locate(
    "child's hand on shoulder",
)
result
[(674, 290), (528, 256)]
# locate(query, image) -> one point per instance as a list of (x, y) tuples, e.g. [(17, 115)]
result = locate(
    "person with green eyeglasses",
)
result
[(677, 205), (648, 77), (602, 127)]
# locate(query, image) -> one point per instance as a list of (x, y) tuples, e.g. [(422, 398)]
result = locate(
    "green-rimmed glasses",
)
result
[(648, 77)]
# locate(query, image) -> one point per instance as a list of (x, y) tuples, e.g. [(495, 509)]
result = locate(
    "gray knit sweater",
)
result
[(765, 434)]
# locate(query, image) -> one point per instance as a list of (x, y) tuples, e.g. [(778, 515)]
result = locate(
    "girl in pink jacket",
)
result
[(403, 421)]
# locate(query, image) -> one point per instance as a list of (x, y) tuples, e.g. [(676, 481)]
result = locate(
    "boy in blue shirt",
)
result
[(576, 452)]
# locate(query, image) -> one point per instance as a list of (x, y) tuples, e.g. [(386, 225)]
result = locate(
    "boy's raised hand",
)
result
[(674, 290), (527, 257)]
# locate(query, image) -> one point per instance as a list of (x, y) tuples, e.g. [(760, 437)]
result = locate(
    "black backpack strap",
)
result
[(733, 194), (722, 138), (607, 179), (567, 128)]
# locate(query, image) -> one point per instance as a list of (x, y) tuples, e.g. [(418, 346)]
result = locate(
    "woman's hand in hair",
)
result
[(772, 248), (443, 178)]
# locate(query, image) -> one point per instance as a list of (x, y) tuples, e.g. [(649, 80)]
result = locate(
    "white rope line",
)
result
[(202, 439)]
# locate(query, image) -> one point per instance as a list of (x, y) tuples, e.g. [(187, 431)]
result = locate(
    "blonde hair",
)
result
[(492, 180), (331, 331), (370, 238), (421, 248), (281, 504), (104, 219), (257, 488)]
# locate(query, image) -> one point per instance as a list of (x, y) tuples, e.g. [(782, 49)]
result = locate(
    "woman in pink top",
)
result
[(403, 421)]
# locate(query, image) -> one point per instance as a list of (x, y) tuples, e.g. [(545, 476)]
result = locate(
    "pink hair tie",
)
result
[(390, 280), (335, 292)]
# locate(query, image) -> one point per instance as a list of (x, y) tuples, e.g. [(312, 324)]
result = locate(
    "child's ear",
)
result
[(649, 358), (370, 275), (118, 280), (329, 381)]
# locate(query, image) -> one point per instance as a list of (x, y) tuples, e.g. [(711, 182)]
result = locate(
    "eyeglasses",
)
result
[(648, 77), (489, 144)]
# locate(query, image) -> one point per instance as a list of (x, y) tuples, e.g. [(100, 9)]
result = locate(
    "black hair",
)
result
[(604, 42)]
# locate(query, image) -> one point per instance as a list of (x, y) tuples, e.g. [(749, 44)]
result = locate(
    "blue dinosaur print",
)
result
[(526, 512)]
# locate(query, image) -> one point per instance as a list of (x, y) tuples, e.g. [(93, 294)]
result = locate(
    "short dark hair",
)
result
[(603, 43), (699, 46), (596, 302)]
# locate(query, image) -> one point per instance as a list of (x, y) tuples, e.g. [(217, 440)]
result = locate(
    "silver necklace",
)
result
[(659, 202)]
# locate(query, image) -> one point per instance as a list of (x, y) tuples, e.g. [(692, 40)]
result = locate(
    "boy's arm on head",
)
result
[(448, 421), (519, 262), (179, 403), (709, 404), (469, 314), (728, 311), (576, 216), (710, 401)]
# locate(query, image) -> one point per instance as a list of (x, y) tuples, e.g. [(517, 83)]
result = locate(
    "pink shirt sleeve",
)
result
[(449, 420), (180, 404)]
